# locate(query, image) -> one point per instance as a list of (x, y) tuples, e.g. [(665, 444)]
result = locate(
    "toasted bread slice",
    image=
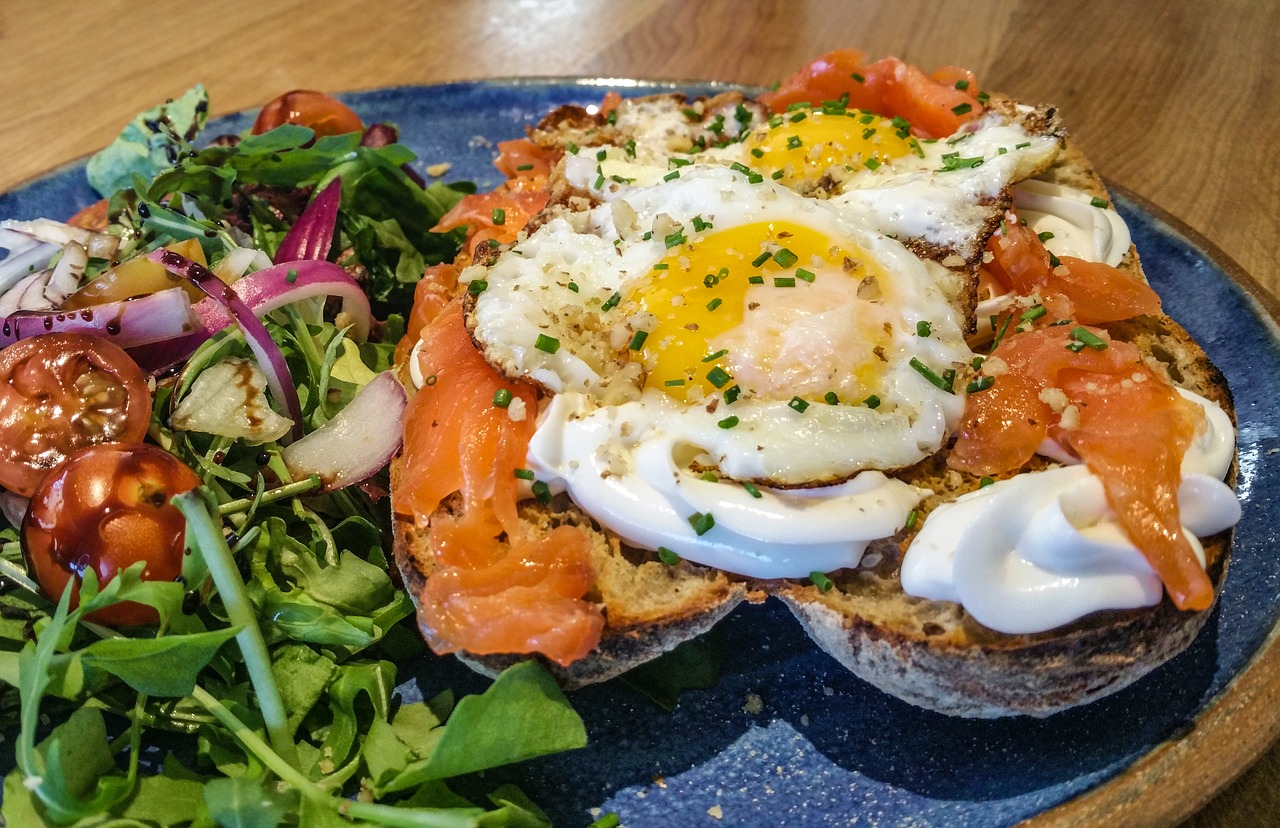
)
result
[(928, 653)]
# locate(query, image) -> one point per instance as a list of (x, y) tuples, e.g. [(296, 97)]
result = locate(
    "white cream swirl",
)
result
[(1042, 549)]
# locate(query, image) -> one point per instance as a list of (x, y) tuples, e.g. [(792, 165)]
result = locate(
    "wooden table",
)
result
[(1174, 100)]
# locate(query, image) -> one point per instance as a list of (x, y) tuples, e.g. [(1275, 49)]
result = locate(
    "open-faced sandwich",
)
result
[(874, 342)]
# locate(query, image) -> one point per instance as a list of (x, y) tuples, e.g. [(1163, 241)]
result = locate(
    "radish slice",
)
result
[(312, 234), (358, 442), (264, 348), (129, 323)]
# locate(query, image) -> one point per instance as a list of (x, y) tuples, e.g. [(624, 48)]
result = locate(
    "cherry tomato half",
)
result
[(305, 107), (108, 507), (62, 391)]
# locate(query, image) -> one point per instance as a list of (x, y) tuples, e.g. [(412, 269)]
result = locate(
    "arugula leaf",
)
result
[(246, 803), (166, 666), (146, 145)]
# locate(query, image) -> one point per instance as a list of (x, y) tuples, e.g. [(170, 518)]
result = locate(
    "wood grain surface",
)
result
[(1177, 101)]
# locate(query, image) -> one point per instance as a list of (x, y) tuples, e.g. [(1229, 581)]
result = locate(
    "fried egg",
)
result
[(716, 345)]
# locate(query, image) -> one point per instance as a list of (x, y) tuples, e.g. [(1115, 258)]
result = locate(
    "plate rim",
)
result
[(1163, 785)]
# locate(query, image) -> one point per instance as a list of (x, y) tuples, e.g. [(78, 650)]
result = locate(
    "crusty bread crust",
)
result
[(928, 653)]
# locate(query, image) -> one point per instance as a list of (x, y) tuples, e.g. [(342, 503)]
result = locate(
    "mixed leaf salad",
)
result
[(199, 624)]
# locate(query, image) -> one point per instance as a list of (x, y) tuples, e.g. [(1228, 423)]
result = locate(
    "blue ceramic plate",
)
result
[(788, 736)]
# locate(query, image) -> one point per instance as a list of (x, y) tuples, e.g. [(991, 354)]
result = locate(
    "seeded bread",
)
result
[(928, 653)]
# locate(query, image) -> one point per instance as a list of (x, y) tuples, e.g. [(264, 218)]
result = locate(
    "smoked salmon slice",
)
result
[(498, 588), (1095, 396)]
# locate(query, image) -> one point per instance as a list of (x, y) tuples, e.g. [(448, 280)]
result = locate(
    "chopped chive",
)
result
[(962, 84), (1045, 236), (599, 182), (756, 280), (830, 398), (671, 176), (690, 113), (740, 167), (710, 280), (673, 383), (477, 287), (794, 142), (912, 518), (1002, 150), (637, 341), (524, 474), (1088, 339), (995, 343), (858, 78), (602, 154), (984, 481), (699, 224), (757, 153), (714, 303), (872, 163), (983, 97), (661, 266), (431, 380), (1033, 313), (731, 394), (784, 281), (678, 162), (611, 302), (1054, 261), (612, 117), (785, 258), (797, 405), (499, 216), (718, 377), (620, 179), (702, 523), (952, 161), (929, 374), (806, 275), (667, 556), (502, 398), (291, 276), (716, 355), (541, 491), (868, 132), (754, 178), (923, 328), (976, 362), (961, 109), (776, 175), (980, 384), (761, 259), (524, 167), (711, 477), (630, 148), (728, 422), (573, 286), (872, 401), (751, 489), (571, 148), (674, 239), (1023, 145), (546, 343), (742, 115), (1100, 203), (821, 581), (647, 235)]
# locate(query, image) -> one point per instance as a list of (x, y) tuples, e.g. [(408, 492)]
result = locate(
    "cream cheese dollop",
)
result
[(1042, 549), (622, 465)]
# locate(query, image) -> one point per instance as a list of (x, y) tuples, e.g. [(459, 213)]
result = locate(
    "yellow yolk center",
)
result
[(777, 271), (805, 144)]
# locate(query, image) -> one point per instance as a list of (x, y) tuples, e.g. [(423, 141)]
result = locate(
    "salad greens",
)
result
[(266, 693)]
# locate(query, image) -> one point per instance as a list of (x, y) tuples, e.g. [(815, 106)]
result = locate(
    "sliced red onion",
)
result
[(359, 441), (99, 245), (23, 259), (263, 292), (26, 295), (312, 234), (129, 323), (264, 348), (66, 276)]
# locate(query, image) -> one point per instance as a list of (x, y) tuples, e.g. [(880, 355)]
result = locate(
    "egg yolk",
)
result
[(800, 146), (706, 285)]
